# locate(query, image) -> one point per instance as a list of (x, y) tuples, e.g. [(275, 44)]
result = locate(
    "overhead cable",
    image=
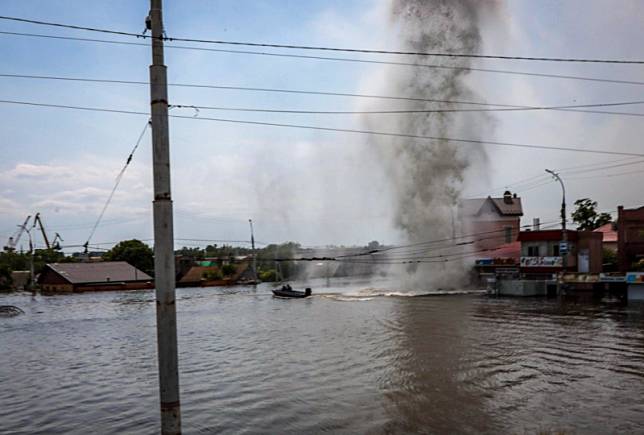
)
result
[(324, 48), (117, 181), (507, 107), (344, 59), (340, 130)]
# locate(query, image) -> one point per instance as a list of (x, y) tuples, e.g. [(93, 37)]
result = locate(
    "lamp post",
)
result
[(252, 245), (564, 234)]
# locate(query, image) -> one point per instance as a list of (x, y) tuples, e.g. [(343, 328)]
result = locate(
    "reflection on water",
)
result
[(344, 361)]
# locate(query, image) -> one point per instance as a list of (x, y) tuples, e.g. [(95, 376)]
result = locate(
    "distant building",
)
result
[(20, 279), (80, 277), (540, 252), (630, 235), (493, 222), (609, 235), (207, 274)]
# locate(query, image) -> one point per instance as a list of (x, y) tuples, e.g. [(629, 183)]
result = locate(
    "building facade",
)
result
[(541, 252), (80, 277), (492, 222), (630, 235)]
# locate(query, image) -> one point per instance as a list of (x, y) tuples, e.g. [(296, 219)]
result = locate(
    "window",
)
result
[(508, 234), (533, 251)]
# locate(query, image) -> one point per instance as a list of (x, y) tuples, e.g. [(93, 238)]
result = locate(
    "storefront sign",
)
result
[(541, 262)]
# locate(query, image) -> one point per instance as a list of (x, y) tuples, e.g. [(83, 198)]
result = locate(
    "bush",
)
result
[(228, 269), (268, 275), (212, 275)]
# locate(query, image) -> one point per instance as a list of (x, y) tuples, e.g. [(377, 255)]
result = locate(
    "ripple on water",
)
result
[(254, 364)]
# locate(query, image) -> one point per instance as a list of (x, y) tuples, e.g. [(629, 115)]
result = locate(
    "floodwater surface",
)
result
[(351, 359)]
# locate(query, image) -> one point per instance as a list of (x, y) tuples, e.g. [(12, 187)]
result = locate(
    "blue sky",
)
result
[(308, 186)]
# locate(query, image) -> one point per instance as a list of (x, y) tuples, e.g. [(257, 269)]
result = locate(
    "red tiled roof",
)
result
[(608, 232)]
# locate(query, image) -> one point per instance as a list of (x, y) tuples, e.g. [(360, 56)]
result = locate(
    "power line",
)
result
[(538, 180), (326, 48), (617, 174), (116, 183), (427, 242), (370, 112), (510, 107), (340, 130), (343, 59)]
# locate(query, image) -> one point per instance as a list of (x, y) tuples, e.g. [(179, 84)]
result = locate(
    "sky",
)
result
[(313, 187)]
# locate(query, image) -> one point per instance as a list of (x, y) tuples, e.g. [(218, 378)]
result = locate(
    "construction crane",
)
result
[(13, 240), (38, 221), (54, 243)]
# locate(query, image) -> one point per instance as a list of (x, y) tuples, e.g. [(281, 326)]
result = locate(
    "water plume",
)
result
[(427, 177)]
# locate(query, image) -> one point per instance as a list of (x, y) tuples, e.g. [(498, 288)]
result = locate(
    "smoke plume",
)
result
[(427, 177)]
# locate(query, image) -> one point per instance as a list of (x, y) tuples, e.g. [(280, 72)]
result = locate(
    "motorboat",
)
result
[(287, 292)]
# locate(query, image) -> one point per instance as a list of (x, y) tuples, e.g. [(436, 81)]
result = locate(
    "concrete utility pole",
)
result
[(564, 233), (252, 244), (164, 275), (32, 284)]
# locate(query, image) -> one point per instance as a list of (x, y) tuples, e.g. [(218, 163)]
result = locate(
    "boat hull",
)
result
[(289, 294)]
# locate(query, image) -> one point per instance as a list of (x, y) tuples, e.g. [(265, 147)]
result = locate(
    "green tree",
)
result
[(211, 275), (610, 259), (5, 277), (586, 216), (228, 269), (135, 252)]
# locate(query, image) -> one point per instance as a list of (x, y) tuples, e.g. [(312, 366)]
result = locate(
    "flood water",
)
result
[(351, 361)]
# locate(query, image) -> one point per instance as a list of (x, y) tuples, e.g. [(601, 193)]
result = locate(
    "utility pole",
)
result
[(164, 276), (32, 285), (564, 233), (252, 244)]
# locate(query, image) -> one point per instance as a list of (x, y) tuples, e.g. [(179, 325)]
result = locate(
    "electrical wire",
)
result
[(344, 59), (116, 183), (340, 130), (618, 174), (508, 107), (537, 180), (372, 112), (324, 48)]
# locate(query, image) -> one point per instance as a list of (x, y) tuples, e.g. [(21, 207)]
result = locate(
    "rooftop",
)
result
[(609, 234), (508, 205), (106, 271)]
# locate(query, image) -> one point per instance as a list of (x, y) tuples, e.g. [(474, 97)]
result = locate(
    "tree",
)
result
[(586, 216), (609, 260), (228, 269), (135, 252)]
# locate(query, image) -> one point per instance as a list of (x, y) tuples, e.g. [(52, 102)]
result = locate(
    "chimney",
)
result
[(536, 224), (507, 197)]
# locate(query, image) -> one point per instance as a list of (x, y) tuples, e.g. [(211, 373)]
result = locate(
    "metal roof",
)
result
[(608, 231), (475, 206), (106, 271)]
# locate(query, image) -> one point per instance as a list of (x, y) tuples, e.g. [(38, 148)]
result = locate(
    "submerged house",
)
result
[(493, 222), (81, 277)]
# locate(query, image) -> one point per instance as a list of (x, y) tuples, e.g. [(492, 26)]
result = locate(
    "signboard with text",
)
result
[(541, 262)]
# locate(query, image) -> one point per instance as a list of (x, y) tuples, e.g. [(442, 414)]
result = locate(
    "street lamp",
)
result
[(564, 234)]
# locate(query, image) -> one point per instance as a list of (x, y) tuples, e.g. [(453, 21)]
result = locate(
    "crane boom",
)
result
[(13, 240), (38, 221)]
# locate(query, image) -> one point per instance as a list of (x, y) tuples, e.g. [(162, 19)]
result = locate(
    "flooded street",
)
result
[(350, 360)]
